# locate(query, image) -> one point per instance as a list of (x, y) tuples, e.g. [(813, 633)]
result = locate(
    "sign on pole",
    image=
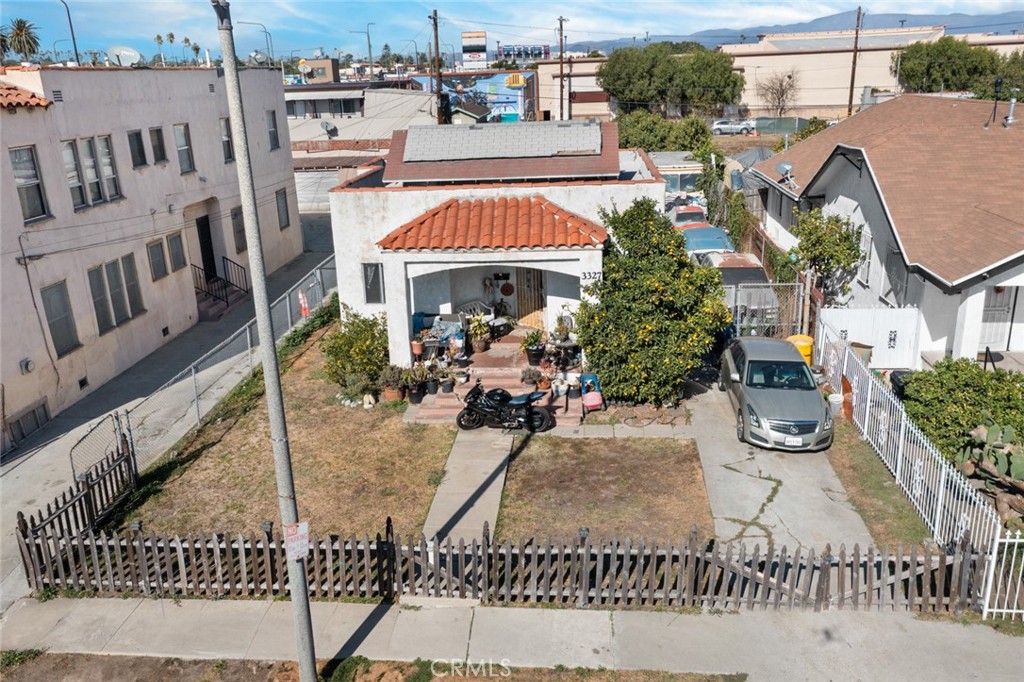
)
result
[(296, 540)]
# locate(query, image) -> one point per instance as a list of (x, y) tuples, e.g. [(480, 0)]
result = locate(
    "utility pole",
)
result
[(570, 89), (853, 69), (561, 68), (301, 619), (437, 56), (369, 49)]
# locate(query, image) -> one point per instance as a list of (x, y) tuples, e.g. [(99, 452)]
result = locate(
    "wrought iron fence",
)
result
[(156, 423)]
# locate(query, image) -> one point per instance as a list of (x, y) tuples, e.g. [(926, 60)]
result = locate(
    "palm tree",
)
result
[(22, 38), (170, 41), (159, 40), (185, 42), (195, 51), (5, 46)]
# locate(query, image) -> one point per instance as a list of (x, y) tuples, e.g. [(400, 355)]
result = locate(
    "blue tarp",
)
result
[(707, 239)]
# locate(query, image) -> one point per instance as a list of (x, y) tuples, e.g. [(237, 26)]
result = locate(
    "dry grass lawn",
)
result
[(352, 467), (623, 487)]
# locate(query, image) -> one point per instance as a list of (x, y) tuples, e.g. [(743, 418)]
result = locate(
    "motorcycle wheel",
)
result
[(469, 420), (537, 420)]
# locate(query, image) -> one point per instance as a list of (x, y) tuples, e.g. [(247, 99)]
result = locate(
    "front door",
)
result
[(530, 297), (995, 319), (206, 247)]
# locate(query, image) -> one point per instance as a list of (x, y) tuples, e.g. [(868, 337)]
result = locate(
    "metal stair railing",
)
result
[(236, 275), (215, 287)]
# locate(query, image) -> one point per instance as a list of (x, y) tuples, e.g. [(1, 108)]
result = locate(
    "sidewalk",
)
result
[(766, 645), (40, 469)]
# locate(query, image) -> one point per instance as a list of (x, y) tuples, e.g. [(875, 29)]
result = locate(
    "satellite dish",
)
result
[(305, 68), (784, 168), (258, 57), (329, 128), (123, 56)]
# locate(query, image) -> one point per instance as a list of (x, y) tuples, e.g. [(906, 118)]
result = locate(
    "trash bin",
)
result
[(835, 403), (804, 344), (898, 379)]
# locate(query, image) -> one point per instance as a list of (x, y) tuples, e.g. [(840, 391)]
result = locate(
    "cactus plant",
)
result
[(997, 458)]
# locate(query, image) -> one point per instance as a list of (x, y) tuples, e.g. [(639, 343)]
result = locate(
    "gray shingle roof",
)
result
[(503, 141)]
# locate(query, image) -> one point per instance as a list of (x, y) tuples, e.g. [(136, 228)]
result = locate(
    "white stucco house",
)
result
[(937, 185), (119, 197), (495, 212)]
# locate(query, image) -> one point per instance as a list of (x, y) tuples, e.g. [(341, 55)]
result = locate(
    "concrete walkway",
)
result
[(38, 470), (471, 490), (768, 645)]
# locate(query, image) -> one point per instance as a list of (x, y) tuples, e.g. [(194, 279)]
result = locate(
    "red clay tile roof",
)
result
[(523, 223), (12, 96), (605, 164), (952, 186), (340, 145)]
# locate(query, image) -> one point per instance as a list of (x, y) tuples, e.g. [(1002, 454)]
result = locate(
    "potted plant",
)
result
[(530, 375), (480, 331), (417, 344), (547, 373), (447, 379), (417, 384), (461, 360), (461, 377), (431, 381), (391, 379), (533, 345)]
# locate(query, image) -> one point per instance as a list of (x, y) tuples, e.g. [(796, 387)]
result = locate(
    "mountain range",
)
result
[(1005, 22)]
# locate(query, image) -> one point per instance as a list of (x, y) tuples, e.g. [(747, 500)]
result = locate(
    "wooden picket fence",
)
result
[(695, 573)]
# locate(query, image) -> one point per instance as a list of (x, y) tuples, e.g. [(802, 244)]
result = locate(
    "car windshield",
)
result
[(779, 374)]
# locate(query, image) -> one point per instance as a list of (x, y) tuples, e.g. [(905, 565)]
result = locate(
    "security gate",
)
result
[(773, 310), (995, 318)]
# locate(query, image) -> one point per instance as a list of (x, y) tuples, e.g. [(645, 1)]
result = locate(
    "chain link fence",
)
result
[(161, 419), (772, 310)]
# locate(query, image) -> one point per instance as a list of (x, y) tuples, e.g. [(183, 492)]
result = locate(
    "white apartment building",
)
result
[(119, 203)]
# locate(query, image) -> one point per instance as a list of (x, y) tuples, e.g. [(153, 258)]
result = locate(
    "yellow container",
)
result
[(804, 344)]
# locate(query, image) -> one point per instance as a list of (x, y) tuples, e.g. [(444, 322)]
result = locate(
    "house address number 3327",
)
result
[(590, 276)]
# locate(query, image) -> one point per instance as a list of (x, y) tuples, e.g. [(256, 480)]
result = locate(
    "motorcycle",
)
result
[(498, 409)]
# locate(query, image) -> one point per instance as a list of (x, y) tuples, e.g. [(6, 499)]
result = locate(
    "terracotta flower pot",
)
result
[(543, 384), (417, 347), (392, 393)]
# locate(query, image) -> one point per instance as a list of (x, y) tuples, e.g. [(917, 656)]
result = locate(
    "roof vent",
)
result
[(1008, 121), (58, 96)]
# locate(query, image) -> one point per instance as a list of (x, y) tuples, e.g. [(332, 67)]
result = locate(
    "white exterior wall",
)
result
[(99, 102), (360, 218)]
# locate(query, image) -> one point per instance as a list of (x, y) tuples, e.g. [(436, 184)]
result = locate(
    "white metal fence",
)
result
[(944, 498), (892, 333), (157, 422)]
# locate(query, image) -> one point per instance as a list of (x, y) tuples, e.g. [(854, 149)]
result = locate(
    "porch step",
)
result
[(212, 309)]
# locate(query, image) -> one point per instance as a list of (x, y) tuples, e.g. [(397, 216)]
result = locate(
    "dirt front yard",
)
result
[(623, 487), (352, 467)]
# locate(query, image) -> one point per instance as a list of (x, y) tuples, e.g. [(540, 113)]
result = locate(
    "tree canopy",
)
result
[(655, 78), (654, 133), (656, 312), (946, 64), (21, 37), (829, 247)]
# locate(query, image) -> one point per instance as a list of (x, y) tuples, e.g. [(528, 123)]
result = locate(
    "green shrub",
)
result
[(349, 668), (948, 402), (321, 317), (357, 351)]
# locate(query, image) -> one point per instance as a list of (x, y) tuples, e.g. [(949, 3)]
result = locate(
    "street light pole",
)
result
[(74, 43), (268, 349), (369, 48), (62, 40), (266, 36)]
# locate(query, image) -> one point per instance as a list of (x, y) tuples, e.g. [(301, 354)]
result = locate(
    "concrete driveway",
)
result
[(761, 496)]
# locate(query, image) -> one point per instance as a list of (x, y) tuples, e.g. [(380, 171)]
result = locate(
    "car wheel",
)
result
[(744, 131), (739, 427), (716, 131)]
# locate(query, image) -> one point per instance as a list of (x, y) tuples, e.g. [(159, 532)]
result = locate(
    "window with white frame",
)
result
[(137, 147), (183, 143), (283, 220), (73, 173), (177, 251), (156, 141), (275, 141), (30, 185), (864, 268), (59, 318), (90, 164), (373, 282), (116, 295), (225, 140), (108, 168), (157, 259), (896, 270), (238, 227)]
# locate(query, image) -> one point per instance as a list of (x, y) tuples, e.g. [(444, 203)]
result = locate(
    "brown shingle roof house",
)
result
[(937, 186), (952, 186)]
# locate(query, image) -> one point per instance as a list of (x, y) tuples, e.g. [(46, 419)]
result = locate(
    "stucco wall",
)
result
[(99, 102)]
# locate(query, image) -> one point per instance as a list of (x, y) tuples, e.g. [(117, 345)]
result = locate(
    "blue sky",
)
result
[(305, 25)]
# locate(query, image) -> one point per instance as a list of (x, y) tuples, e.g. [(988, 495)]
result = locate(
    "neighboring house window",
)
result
[(177, 249), (92, 174), (137, 147), (897, 273), (73, 172), (30, 185), (282, 209), (373, 282), (108, 168), (238, 227), (156, 141), (183, 143), (157, 261), (225, 140), (57, 306), (116, 295), (864, 269), (272, 129)]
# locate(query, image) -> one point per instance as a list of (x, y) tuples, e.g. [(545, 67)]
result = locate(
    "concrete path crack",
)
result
[(753, 522)]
